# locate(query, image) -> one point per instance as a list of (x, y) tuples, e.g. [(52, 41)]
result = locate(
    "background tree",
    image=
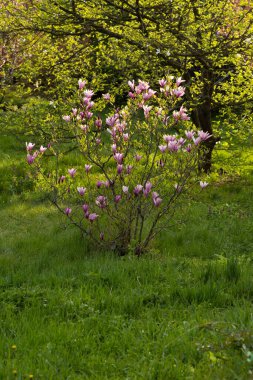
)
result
[(209, 42)]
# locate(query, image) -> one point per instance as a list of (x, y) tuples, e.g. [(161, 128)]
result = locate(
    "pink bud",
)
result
[(117, 198), (72, 172), (30, 159), (66, 118), (119, 168), (68, 211), (85, 208), (125, 189), (42, 149), (29, 146), (92, 217), (81, 190), (203, 184), (137, 157), (106, 96), (81, 84), (87, 168)]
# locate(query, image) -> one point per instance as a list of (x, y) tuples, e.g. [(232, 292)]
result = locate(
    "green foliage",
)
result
[(70, 312)]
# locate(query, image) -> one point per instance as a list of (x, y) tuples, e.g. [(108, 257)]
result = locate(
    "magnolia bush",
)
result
[(133, 165)]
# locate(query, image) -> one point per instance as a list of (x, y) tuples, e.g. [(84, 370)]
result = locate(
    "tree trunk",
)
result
[(201, 117)]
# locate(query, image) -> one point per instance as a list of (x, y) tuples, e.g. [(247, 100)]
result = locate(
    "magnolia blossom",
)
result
[(129, 169), (98, 122), (101, 201), (29, 146), (84, 128), (149, 94), (74, 111), (87, 168), (156, 199), (147, 188), (68, 211), (81, 190), (163, 148), (119, 168), (42, 149), (66, 118), (98, 141), (162, 82), (125, 136), (173, 146), (203, 184), (189, 134), (146, 110), (88, 94), (125, 189), (178, 92), (81, 84), (117, 198), (179, 81), (106, 96), (62, 179), (137, 157), (85, 208), (92, 217), (114, 148), (138, 189), (131, 85), (72, 172), (30, 159), (118, 157)]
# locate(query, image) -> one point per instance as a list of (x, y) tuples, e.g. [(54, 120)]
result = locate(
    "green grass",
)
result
[(184, 311)]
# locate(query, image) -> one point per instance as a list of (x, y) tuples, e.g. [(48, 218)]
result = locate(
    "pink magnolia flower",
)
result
[(106, 96), (66, 118), (87, 168), (163, 148), (161, 163), (84, 128), (178, 92), (114, 148), (125, 136), (74, 111), (131, 95), (119, 168), (203, 184), (42, 149), (107, 184), (146, 110), (81, 84), (131, 85), (68, 211), (173, 146), (111, 120), (204, 135), (162, 82), (72, 172), (101, 201), (117, 198), (129, 169), (98, 122), (98, 141), (85, 208), (149, 94), (156, 199), (183, 114), (179, 81), (137, 157), (62, 178), (125, 189), (147, 189), (138, 189), (118, 157), (88, 115), (99, 184), (189, 134), (168, 138), (81, 190), (92, 217), (88, 94), (29, 146), (142, 86), (188, 148), (30, 159)]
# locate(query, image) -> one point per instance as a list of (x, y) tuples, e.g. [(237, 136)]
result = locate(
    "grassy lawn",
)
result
[(182, 312)]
